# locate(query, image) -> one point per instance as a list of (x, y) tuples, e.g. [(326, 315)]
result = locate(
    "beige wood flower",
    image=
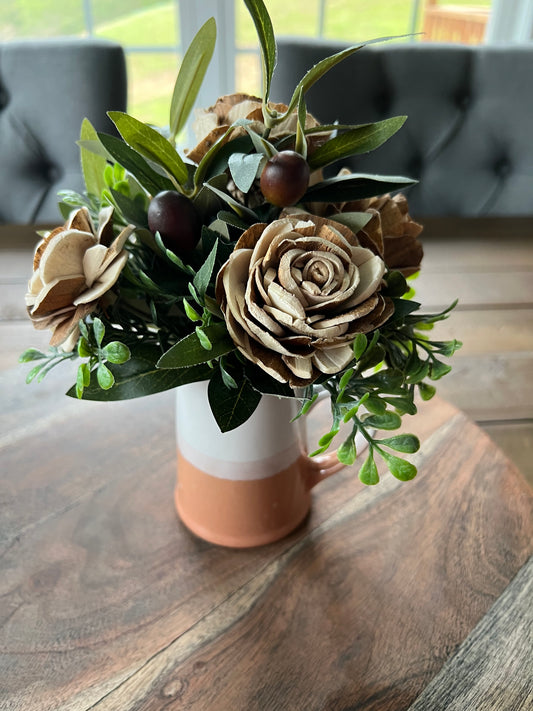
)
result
[(211, 124), (296, 292), (74, 266)]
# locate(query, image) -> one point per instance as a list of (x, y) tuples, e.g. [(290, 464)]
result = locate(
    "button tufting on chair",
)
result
[(47, 88), (469, 109)]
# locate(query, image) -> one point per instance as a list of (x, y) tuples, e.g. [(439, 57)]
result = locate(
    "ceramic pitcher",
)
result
[(249, 486)]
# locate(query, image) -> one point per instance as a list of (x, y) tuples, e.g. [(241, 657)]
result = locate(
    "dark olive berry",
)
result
[(175, 218), (285, 178)]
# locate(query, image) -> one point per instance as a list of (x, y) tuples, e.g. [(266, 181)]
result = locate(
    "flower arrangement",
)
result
[(240, 263)]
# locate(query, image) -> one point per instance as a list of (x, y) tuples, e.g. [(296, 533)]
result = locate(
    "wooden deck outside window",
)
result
[(454, 23)]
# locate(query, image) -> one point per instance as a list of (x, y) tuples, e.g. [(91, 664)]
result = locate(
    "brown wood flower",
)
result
[(296, 292), (74, 266), (212, 123)]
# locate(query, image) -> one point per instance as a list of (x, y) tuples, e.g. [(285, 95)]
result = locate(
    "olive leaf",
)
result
[(361, 139), (267, 41), (151, 144), (191, 75), (190, 351), (92, 164), (135, 164)]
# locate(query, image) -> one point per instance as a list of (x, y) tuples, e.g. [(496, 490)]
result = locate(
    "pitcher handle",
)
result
[(324, 465)]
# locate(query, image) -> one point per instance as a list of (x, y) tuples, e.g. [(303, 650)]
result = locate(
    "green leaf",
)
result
[(438, 370), (203, 339), (135, 164), (267, 41), (368, 474), (399, 468), (300, 144), (358, 140), (105, 377), (84, 349), (241, 210), (191, 314), (191, 75), (229, 380), (92, 165), (396, 284), (31, 354), (151, 144), (231, 407), (318, 71), (132, 212), (326, 439), (203, 276), (387, 421), (139, 376), (243, 168), (354, 187), (346, 453), (407, 443), (426, 390), (354, 220), (80, 380), (359, 345), (189, 351), (375, 405), (116, 352), (98, 330)]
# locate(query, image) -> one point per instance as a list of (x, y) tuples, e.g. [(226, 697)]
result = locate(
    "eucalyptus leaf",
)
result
[(92, 165), (355, 187), (189, 351), (243, 168), (151, 144), (191, 75), (231, 407)]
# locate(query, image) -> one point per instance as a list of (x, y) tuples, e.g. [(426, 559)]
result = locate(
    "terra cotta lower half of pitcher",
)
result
[(249, 486)]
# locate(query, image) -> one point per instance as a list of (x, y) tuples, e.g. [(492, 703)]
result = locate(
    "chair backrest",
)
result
[(47, 87), (468, 136)]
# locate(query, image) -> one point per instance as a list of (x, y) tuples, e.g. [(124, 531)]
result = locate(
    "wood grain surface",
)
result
[(389, 596), (488, 672), (109, 603)]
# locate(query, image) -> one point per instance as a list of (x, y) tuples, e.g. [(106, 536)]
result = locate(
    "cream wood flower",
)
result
[(296, 292), (211, 124), (74, 266)]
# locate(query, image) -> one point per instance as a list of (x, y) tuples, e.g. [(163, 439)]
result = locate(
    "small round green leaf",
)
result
[(116, 352), (368, 474), (105, 377)]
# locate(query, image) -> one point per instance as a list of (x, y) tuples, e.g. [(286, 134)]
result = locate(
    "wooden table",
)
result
[(401, 596)]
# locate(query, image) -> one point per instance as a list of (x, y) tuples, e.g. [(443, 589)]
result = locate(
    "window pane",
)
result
[(40, 18), (136, 22), (151, 79)]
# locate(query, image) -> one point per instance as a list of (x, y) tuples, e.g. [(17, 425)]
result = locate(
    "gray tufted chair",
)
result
[(47, 87), (469, 135)]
